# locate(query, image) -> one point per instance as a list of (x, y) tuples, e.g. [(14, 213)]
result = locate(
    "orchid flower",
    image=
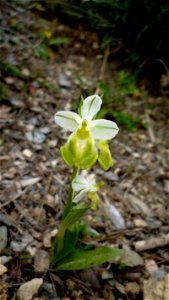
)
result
[(80, 150), (82, 187)]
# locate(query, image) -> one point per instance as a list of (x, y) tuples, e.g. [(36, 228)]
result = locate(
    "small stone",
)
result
[(25, 72), (41, 262), (63, 81), (29, 181), (48, 237), (140, 223), (3, 269), (50, 200), (30, 127), (9, 80), (52, 143), (4, 259), (27, 153), (39, 137), (3, 237), (48, 292), (29, 136), (45, 130), (28, 289), (154, 224)]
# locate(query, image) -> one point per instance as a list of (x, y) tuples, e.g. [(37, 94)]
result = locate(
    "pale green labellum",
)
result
[(80, 150), (95, 200), (105, 159)]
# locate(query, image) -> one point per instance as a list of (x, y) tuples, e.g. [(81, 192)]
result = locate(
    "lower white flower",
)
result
[(81, 186)]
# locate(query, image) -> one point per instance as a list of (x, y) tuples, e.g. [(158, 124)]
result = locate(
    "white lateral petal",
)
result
[(80, 195), (79, 183), (68, 120), (103, 129), (90, 107)]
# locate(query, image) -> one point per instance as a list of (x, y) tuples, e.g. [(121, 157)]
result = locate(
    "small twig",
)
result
[(150, 130), (103, 68), (151, 243)]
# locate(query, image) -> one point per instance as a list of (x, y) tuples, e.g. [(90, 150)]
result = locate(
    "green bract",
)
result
[(80, 150)]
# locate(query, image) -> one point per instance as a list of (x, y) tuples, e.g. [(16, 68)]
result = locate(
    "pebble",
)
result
[(50, 200), (154, 224), (9, 80), (45, 130), (63, 81), (140, 223), (41, 262), (28, 289), (36, 137), (52, 143), (3, 269), (27, 153), (4, 259), (25, 72), (48, 292), (48, 237)]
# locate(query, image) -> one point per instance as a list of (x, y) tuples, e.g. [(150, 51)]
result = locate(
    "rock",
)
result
[(25, 72), (4, 259), (48, 237), (27, 153), (140, 206), (47, 291), (131, 258), (140, 223), (42, 261), (3, 237), (3, 269), (19, 246), (45, 130), (114, 215), (52, 143), (28, 289), (156, 289), (36, 137), (154, 224), (132, 288), (63, 81), (6, 220), (30, 181)]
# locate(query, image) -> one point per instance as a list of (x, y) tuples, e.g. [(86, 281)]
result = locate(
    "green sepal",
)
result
[(105, 159), (80, 150), (95, 200)]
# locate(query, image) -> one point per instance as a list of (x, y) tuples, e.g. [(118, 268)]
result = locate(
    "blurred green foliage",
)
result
[(138, 28)]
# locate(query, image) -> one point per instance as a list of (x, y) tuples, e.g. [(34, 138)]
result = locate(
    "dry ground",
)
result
[(34, 178)]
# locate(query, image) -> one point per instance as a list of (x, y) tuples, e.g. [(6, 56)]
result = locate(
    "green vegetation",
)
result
[(139, 29), (8, 69)]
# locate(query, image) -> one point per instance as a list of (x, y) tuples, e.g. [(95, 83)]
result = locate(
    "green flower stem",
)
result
[(61, 232), (70, 193)]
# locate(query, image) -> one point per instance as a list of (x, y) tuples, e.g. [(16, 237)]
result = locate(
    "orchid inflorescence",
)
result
[(87, 144)]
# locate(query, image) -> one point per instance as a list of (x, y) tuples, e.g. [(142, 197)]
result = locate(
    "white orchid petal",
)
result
[(90, 107), (80, 195), (103, 129), (79, 183), (68, 120)]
